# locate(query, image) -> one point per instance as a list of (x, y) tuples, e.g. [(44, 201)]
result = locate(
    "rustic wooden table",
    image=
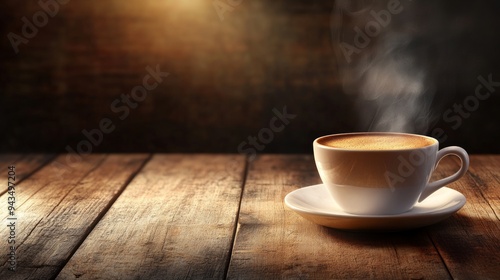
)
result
[(180, 216)]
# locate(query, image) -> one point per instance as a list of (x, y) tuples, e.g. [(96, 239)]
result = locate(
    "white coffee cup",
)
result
[(381, 173)]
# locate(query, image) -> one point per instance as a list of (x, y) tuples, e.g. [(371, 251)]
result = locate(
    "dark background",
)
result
[(226, 76)]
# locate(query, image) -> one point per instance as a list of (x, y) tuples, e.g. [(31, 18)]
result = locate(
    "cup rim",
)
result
[(316, 143)]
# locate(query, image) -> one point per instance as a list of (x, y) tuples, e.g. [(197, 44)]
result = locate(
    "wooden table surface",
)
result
[(208, 216)]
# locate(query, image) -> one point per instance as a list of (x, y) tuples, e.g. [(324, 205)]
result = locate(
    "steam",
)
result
[(386, 71)]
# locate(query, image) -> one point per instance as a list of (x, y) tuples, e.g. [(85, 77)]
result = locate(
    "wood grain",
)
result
[(175, 220), (273, 242), (56, 213), (469, 241), (25, 165), (212, 216)]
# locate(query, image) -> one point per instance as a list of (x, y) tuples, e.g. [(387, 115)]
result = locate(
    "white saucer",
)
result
[(315, 204)]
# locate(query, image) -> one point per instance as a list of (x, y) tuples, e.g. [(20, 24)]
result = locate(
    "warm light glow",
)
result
[(192, 4)]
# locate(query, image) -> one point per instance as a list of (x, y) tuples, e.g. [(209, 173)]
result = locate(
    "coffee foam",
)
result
[(376, 142)]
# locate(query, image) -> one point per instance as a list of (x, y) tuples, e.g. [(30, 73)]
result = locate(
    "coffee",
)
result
[(375, 141), (381, 173)]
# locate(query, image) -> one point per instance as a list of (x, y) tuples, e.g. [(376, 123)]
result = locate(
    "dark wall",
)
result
[(227, 78)]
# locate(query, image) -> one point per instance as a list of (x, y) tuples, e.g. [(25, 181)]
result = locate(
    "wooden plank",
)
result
[(485, 170), (175, 220), (469, 241), (25, 166), (56, 211), (273, 242)]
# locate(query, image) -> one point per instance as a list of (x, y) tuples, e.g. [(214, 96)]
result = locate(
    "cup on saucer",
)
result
[(381, 173)]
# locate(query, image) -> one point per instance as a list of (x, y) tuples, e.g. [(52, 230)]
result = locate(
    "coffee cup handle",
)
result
[(434, 186)]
